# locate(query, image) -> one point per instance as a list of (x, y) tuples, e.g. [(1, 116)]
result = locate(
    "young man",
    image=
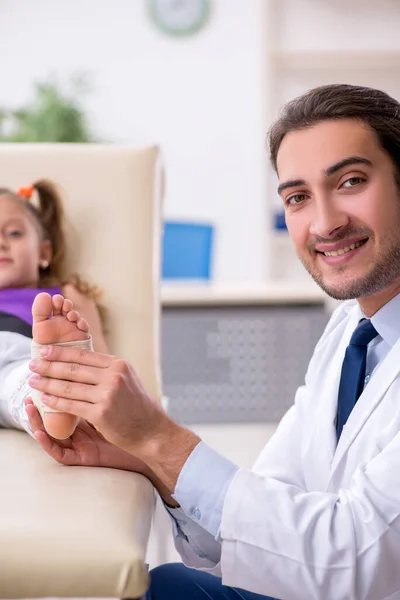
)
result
[(318, 516)]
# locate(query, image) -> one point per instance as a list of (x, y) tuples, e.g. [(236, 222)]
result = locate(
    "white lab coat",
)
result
[(313, 520)]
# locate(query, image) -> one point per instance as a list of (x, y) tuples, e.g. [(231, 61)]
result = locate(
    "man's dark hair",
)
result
[(332, 102)]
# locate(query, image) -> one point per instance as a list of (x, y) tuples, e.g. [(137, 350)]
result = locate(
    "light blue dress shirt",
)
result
[(206, 476)]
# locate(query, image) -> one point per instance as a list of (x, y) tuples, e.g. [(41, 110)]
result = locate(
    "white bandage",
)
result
[(35, 353)]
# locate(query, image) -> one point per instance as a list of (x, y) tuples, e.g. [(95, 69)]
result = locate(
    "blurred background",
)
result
[(203, 79)]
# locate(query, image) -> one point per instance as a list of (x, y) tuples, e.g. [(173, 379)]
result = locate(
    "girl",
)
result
[(32, 254)]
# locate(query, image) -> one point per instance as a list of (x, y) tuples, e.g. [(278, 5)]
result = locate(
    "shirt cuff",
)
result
[(199, 540), (202, 487), (179, 520)]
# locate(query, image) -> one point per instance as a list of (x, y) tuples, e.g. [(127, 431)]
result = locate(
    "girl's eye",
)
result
[(295, 199), (14, 233), (352, 181)]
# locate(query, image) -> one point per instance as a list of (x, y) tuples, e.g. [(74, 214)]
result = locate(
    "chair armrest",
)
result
[(69, 531)]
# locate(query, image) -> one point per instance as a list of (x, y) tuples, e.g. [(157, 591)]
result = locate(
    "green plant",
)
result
[(54, 115)]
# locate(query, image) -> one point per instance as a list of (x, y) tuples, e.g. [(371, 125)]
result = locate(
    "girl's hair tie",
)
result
[(26, 192)]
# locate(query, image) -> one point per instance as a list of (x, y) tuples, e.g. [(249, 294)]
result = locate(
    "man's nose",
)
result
[(328, 219)]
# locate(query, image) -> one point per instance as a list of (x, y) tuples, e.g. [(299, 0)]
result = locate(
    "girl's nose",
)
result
[(4, 243)]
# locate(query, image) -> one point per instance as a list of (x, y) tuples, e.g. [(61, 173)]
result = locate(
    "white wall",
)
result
[(338, 25), (356, 43), (206, 99), (202, 98)]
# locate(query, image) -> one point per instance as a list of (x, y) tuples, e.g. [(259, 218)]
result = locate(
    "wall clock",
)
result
[(179, 17)]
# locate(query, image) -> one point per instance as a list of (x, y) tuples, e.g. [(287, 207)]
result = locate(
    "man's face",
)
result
[(342, 207)]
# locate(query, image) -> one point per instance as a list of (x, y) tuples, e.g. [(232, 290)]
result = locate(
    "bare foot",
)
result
[(54, 321)]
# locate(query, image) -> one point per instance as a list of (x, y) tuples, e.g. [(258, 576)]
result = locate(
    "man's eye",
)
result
[(295, 199), (14, 233), (352, 181)]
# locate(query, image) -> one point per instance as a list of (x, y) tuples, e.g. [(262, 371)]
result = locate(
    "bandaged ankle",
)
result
[(35, 353)]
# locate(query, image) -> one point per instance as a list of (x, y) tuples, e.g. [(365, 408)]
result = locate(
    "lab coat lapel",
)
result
[(372, 395), (321, 445)]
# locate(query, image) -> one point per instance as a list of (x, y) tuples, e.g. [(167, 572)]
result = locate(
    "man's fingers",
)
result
[(49, 445), (70, 354), (73, 407), (69, 371), (65, 389), (65, 456), (35, 419)]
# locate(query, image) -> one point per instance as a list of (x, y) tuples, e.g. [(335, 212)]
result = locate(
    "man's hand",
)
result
[(106, 392), (102, 390), (86, 447)]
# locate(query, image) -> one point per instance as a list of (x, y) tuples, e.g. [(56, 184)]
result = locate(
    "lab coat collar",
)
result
[(386, 321)]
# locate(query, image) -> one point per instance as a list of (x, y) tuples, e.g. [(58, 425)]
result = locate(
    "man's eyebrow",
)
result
[(290, 183), (346, 162)]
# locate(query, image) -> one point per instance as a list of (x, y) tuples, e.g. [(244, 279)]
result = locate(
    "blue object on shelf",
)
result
[(279, 221), (187, 250)]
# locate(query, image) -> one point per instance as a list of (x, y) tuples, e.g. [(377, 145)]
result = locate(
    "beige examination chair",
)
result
[(77, 531)]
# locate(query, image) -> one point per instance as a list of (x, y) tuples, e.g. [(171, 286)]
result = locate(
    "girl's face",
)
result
[(22, 251)]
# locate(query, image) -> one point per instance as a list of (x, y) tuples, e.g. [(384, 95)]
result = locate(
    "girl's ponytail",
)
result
[(51, 214)]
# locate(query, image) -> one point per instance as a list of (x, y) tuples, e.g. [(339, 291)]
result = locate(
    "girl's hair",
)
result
[(48, 216)]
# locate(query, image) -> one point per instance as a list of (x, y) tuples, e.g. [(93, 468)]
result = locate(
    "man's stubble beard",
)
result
[(382, 273)]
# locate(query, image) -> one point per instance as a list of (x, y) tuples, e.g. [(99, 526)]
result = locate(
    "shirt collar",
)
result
[(386, 320)]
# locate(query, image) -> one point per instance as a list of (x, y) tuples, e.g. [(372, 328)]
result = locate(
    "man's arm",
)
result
[(118, 406), (279, 539), (196, 524), (166, 452), (205, 479)]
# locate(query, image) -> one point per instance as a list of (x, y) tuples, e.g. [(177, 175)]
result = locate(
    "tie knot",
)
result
[(363, 334)]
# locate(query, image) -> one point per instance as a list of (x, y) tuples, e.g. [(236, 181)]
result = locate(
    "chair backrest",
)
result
[(112, 198)]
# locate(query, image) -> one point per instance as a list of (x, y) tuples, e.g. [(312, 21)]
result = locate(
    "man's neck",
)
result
[(371, 304)]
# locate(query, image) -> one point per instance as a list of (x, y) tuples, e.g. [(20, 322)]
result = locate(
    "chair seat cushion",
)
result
[(69, 531)]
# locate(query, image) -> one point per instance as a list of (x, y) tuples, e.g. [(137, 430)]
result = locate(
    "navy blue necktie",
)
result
[(353, 371)]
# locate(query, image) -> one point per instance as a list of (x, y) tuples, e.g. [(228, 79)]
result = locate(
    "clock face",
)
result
[(179, 17)]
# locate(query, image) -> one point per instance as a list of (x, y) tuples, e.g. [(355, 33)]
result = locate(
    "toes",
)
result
[(42, 307), (67, 306), (82, 325), (58, 302), (73, 316)]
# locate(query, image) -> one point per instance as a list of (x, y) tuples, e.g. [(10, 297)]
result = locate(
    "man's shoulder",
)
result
[(329, 343), (343, 312)]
